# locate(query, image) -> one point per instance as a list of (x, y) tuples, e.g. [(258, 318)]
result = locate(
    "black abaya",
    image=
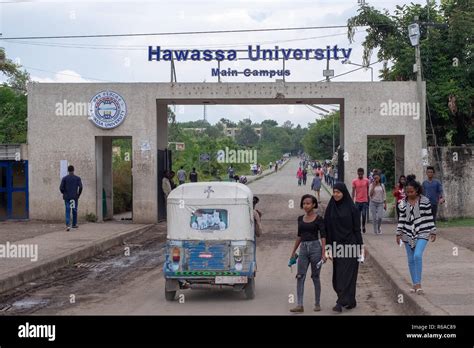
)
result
[(343, 228)]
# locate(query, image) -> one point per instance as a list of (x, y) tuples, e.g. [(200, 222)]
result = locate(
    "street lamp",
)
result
[(414, 35), (363, 66)]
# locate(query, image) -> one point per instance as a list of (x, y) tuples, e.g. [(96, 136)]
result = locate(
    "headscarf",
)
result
[(341, 219)]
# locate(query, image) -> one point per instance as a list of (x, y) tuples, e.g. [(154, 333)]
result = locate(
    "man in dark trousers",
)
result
[(71, 188), (193, 176)]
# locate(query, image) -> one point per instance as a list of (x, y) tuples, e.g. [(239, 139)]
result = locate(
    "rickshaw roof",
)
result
[(234, 198), (211, 191)]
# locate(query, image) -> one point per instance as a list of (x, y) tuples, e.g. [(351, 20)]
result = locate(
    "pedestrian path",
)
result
[(448, 272), (448, 267)]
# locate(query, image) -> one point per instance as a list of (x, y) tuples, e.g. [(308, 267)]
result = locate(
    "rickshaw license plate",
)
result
[(230, 280)]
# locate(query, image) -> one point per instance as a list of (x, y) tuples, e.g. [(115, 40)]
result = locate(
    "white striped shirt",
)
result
[(415, 222)]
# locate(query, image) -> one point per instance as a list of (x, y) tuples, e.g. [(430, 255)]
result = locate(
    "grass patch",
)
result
[(458, 222)]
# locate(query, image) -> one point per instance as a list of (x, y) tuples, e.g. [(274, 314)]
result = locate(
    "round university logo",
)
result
[(107, 109)]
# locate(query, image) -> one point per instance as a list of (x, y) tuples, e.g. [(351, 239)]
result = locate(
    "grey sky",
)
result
[(125, 59)]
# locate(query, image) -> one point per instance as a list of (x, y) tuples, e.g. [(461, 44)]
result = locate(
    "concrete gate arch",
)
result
[(53, 137)]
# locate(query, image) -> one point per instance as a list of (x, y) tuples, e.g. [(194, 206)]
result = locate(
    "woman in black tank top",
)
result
[(311, 241)]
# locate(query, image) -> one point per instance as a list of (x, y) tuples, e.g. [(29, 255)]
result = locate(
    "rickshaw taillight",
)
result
[(176, 255)]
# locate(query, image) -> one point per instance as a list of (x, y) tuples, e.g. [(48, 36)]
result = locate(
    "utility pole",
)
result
[(414, 33)]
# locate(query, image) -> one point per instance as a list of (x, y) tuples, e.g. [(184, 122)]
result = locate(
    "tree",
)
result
[(446, 53), (13, 102), (381, 155), (246, 136), (228, 123), (13, 112), (17, 77), (318, 140), (269, 123)]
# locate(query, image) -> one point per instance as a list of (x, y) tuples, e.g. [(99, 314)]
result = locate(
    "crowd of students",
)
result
[(416, 207), (344, 222)]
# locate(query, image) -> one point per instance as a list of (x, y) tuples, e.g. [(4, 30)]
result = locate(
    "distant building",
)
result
[(233, 131), (197, 130)]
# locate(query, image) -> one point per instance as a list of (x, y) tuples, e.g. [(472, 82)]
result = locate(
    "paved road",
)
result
[(137, 287)]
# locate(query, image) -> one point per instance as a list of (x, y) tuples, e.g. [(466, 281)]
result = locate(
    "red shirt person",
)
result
[(360, 195)]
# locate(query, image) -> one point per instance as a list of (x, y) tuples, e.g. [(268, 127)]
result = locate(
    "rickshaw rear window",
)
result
[(209, 219)]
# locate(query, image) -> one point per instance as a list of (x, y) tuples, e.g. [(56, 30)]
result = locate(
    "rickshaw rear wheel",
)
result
[(170, 295), (250, 289)]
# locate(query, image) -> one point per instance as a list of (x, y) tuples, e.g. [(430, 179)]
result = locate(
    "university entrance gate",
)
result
[(368, 109)]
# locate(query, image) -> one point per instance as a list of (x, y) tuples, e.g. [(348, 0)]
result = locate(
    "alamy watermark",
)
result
[(26, 251), (336, 250), (391, 108), (68, 108), (236, 156)]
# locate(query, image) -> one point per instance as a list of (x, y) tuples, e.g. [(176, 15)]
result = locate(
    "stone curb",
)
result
[(413, 304)]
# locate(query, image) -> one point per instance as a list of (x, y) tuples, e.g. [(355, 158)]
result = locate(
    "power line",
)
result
[(141, 48), (177, 33), (59, 73), (350, 71)]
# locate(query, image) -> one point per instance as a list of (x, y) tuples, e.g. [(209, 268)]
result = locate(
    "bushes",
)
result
[(122, 187)]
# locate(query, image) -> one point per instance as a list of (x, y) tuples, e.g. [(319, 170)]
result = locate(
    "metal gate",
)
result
[(13, 190), (164, 164)]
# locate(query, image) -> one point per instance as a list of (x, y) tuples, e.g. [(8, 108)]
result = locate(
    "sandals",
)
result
[(418, 291)]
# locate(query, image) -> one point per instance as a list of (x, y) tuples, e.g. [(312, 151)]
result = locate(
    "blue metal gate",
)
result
[(14, 190)]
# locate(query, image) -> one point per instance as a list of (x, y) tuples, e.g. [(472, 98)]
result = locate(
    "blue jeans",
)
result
[(376, 210), (310, 253), (363, 207), (415, 259), (70, 206)]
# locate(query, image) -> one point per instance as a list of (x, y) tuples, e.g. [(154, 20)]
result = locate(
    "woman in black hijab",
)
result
[(342, 221)]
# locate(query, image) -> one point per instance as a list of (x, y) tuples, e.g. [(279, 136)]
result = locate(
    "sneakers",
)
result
[(317, 308), (75, 226), (297, 309), (68, 228)]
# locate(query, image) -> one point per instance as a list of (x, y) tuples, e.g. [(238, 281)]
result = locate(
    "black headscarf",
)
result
[(342, 219)]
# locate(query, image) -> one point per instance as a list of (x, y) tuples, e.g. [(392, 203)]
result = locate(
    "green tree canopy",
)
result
[(318, 140), (446, 52)]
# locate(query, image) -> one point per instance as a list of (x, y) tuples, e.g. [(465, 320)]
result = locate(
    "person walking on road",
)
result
[(399, 193), (331, 176), (231, 173), (181, 175), (299, 176), (360, 195), (342, 220), (257, 217), (311, 241), (433, 190), (193, 176), (378, 202), (415, 226), (167, 183), (71, 188), (305, 176), (316, 186)]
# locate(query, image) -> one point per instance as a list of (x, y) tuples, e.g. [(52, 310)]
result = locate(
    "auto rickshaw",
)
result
[(211, 238)]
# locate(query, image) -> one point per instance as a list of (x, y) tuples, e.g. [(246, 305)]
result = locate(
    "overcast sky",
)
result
[(125, 59)]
